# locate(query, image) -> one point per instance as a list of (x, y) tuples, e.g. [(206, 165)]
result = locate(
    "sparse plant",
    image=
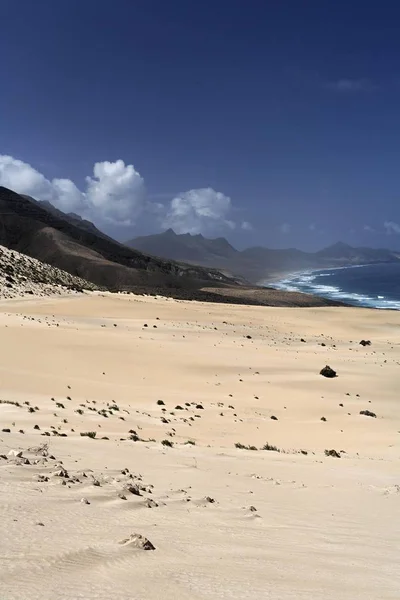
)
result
[(167, 443), (190, 442), (90, 434), (271, 448), (241, 446)]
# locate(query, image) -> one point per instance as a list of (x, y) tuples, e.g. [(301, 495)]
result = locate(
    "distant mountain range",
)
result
[(256, 264)]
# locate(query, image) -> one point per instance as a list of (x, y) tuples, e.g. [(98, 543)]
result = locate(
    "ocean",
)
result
[(374, 286)]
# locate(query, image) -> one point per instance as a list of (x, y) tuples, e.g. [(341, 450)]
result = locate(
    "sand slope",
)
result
[(226, 522)]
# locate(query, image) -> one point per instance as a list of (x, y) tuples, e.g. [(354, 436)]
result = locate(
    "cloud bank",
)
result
[(115, 194)]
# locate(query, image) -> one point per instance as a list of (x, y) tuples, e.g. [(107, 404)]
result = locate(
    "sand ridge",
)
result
[(172, 391)]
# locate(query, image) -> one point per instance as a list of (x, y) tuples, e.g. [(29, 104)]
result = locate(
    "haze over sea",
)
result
[(376, 286)]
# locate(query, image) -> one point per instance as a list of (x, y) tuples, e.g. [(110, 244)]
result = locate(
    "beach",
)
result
[(176, 401)]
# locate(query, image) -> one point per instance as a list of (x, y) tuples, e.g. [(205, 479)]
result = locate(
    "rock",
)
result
[(138, 541), (368, 413), (328, 372), (6, 430), (273, 418), (209, 499), (15, 454), (61, 473), (252, 509), (365, 342), (85, 501), (333, 453), (150, 503), (133, 489), (323, 419)]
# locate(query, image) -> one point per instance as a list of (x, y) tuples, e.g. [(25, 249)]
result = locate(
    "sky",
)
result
[(270, 123)]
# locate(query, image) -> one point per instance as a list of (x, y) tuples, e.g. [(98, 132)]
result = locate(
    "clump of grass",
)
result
[(90, 434), (271, 448), (160, 402), (167, 443), (241, 446), (60, 405), (79, 411), (190, 442), (10, 402)]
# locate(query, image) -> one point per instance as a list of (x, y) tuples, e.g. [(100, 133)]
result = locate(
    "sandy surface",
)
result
[(226, 523)]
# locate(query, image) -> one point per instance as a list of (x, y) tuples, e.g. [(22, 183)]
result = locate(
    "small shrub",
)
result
[(10, 402), (167, 443), (243, 447), (90, 434), (190, 442), (271, 448)]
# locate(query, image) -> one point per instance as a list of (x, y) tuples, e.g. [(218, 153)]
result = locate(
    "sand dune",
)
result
[(225, 522)]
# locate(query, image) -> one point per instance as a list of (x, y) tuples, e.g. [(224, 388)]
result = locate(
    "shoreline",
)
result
[(331, 292)]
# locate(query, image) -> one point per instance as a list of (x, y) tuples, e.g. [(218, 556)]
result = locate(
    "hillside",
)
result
[(21, 275), (70, 244), (257, 263)]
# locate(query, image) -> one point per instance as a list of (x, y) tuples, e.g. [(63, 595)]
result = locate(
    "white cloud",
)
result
[(350, 85), (369, 228), (311, 227), (246, 226), (115, 193), (391, 227), (201, 210), (285, 228)]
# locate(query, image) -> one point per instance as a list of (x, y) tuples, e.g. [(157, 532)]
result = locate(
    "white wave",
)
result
[(305, 282)]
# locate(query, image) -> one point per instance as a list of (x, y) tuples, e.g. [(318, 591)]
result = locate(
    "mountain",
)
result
[(185, 247), (78, 247), (255, 264)]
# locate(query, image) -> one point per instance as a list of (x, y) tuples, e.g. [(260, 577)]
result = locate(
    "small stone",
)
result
[(85, 501), (138, 541), (273, 418), (15, 454), (328, 372)]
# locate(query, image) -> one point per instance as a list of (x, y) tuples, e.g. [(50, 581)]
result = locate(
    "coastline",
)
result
[(317, 282)]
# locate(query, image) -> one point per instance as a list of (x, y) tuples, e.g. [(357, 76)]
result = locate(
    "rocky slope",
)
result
[(21, 275)]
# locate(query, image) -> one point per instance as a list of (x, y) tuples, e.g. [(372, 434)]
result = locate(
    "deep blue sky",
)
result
[(290, 108)]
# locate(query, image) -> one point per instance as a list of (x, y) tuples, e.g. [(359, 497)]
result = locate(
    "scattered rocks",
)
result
[(327, 371)]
